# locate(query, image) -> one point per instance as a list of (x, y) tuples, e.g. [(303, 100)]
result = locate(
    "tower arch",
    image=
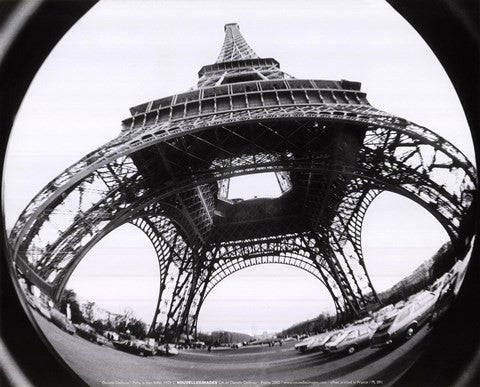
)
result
[(260, 286)]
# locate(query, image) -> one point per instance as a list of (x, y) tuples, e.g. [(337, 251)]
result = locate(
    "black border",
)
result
[(450, 27), (452, 30), (29, 47)]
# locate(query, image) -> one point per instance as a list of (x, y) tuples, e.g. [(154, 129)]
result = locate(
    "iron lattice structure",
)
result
[(168, 173)]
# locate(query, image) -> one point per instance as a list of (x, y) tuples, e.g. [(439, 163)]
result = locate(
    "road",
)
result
[(103, 365)]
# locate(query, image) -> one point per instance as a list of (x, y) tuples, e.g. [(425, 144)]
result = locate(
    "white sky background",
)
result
[(123, 53)]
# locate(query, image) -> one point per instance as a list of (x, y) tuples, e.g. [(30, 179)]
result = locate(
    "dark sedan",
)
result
[(404, 324), (137, 347)]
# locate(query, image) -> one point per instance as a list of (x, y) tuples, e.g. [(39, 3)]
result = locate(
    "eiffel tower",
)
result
[(169, 170)]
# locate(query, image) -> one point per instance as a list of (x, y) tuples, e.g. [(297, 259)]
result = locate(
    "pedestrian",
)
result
[(209, 348)]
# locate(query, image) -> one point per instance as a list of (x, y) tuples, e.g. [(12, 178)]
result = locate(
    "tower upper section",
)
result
[(239, 81), (234, 46), (237, 62)]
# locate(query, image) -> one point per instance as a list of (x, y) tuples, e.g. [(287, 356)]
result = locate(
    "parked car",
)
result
[(167, 350), (408, 320), (137, 347), (30, 299), (399, 305), (380, 315), (61, 321), (302, 345), (313, 343), (383, 311), (101, 340), (42, 306), (349, 340), (445, 297), (374, 323), (198, 344), (87, 332), (459, 271)]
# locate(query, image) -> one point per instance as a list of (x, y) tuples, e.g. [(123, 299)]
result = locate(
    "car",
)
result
[(382, 313), (61, 321), (138, 347), (198, 344), (30, 299), (87, 332), (313, 343), (349, 340), (440, 282), (302, 345), (408, 320), (318, 344), (42, 306), (375, 322), (445, 297), (459, 271), (167, 350), (101, 340)]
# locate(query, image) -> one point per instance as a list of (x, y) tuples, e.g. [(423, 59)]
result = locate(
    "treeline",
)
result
[(422, 276), (126, 324), (316, 325), (217, 338)]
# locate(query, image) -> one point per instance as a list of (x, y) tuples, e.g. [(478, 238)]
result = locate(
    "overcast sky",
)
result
[(123, 53)]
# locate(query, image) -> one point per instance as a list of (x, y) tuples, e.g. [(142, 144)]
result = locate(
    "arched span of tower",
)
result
[(228, 268), (293, 250), (247, 116)]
